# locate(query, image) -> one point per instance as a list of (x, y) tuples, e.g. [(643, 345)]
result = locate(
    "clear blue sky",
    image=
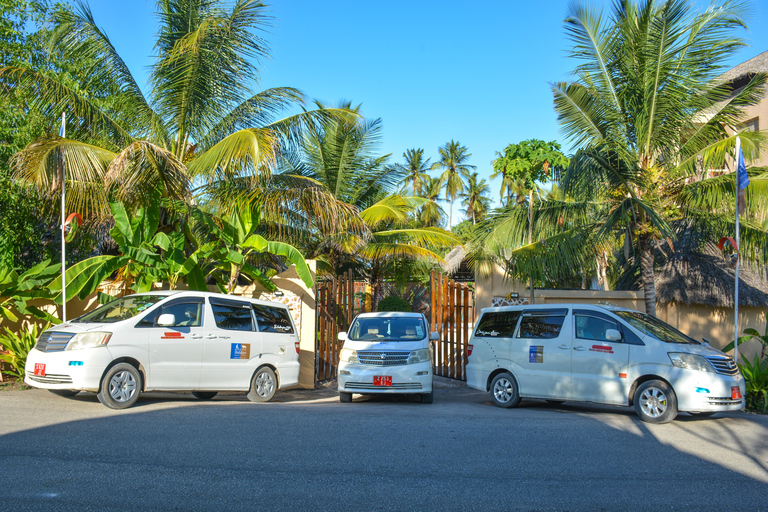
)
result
[(431, 70)]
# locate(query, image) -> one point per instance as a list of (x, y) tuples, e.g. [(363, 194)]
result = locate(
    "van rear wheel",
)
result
[(263, 385), (504, 391), (655, 402)]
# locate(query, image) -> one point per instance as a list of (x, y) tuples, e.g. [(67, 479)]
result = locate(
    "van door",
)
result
[(231, 343), (542, 350), (599, 365), (176, 352), (278, 341)]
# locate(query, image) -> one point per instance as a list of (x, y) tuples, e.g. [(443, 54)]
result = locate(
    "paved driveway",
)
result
[(309, 452)]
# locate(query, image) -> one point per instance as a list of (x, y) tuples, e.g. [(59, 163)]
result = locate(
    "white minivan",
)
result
[(386, 353), (599, 353), (170, 341)]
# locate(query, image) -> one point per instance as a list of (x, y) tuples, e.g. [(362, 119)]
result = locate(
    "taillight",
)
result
[(469, 350), (297, 347)]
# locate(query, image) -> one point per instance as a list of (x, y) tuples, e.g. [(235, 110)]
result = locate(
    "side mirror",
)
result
[(434, 336), (342, 336), (705, 340), (166, 320), (612, 335)]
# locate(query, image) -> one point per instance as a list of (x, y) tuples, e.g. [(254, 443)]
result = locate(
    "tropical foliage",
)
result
[(454, 160), (16, 346), (650, 118)]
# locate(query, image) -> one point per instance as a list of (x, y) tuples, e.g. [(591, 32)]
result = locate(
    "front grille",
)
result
[(51, 379), (53, 341), (723, 365), (367, 386), (387, 358), (724, 400)]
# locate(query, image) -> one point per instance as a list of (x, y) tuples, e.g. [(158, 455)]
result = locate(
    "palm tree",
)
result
[(200, 122), (453, 158), (475, 200), (416, 169), (431, 214), (649, 115)]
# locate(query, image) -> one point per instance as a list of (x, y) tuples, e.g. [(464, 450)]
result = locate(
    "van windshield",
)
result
[(394, 328), (655, 327), (120, 309)]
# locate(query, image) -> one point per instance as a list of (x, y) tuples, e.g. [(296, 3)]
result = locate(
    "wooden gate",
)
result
[(452, 316), (335, 310)]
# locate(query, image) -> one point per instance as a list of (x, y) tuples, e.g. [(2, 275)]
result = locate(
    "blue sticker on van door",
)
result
[(536, 354), (240, 351)]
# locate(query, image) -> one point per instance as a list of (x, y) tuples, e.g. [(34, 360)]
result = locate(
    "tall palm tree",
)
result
[(416, 169), (649, 115), (453, 158), (475, 199), (200, 122), (431, 213)]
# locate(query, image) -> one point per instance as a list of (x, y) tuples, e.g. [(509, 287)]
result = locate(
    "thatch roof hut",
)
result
[(701, 277)]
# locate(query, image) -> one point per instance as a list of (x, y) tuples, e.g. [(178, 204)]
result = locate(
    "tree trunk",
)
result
[(646, 274)]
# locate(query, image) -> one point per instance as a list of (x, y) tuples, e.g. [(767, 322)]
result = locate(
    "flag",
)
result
[(742, 179), (63, 130)]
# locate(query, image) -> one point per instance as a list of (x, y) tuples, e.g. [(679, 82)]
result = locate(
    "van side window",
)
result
[(593, 328), (542, 324), (497, 324), (187, 311), (232, 315), (271, 319)]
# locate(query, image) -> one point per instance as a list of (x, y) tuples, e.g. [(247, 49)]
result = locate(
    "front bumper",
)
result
[(75, 369), (707, 392), (358, 378)]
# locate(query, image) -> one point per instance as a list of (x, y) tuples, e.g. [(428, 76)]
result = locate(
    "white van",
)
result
[(600, 354), (386, 353), (169, 341)]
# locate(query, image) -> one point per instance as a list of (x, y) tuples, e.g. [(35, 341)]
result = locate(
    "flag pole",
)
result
[(63, 134), (738, 260)]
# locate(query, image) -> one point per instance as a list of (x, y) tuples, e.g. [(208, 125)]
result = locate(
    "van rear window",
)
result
[(498, 324)]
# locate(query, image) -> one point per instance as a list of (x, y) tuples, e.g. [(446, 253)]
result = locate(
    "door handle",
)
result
[(580, 349), (210, 337), (196, 337), (564, 347)]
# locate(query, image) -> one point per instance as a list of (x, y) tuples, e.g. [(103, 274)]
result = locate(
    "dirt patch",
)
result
[(11, 384)]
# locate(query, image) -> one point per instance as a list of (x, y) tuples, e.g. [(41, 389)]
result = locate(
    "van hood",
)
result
[(699, 350), (386, 345), (78, 327)]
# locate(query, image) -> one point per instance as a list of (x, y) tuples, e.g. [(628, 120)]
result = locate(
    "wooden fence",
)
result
[(335, 310), (452, 317)]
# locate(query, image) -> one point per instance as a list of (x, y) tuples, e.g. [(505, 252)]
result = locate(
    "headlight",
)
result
[(419, 356), (691, 362), (89, 340), (348, 355)]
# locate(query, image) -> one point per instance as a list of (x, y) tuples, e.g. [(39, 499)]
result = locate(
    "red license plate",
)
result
[(40, 369), (735, 392), (380, 380)]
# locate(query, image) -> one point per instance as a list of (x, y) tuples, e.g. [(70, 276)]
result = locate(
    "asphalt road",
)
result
[(309, 452)]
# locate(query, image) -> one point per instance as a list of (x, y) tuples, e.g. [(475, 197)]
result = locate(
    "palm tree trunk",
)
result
[(646, 275)]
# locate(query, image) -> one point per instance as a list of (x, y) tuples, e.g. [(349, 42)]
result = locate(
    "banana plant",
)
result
[(17, 290), (234, 234)]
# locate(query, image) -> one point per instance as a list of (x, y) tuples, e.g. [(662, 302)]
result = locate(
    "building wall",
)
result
[(715, 324)]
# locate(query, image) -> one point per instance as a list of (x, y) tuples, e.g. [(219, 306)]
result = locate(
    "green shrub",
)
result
[(393, 303), (756, 378), (16, 347)]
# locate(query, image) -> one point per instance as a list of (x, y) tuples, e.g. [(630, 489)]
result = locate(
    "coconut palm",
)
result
[(432, 214), (649, 116), (200, 121), (475, 199), (416, 169), (453, 158)]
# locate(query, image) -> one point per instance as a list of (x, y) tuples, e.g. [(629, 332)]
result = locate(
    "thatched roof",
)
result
[(453, 259), (702, 277), (757, 64)]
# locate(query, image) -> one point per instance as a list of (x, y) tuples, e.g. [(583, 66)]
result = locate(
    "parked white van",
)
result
[(169, 341), (600, 354), (386, 353)]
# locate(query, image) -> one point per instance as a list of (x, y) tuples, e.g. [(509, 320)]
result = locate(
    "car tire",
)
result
[(120, 386), (504, 391), (344, 397), (204, 395), (428, 398), (655, 402), (263, 385), (66, 393)]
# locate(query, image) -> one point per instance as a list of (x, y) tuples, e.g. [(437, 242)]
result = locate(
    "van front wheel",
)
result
[(655, 402), (504, 390), (120, 387)]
